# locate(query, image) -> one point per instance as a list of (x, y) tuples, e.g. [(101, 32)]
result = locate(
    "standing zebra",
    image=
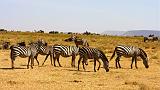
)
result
[(77, 41), (130, 51), (93, 53), (48, 51), (22, 51), (65, 51)]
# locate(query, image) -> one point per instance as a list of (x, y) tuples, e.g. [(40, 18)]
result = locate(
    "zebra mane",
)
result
[(11, 47), (143, 52), (104, 56)]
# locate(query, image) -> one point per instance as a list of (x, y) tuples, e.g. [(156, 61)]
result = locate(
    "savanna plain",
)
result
[(48, 77)]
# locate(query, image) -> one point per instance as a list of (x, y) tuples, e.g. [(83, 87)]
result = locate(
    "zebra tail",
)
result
[(113, 54)]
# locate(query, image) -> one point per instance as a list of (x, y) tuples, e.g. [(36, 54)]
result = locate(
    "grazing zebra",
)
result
[(77, 41), (65, 51), (93, 53), (130, 51), (22, 51)]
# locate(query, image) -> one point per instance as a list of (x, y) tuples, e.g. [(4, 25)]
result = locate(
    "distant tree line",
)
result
[(3, 30), (53, 32), (39, 31)]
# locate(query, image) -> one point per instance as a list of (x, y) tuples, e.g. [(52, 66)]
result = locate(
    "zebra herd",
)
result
[(151, 37), (82, 49)]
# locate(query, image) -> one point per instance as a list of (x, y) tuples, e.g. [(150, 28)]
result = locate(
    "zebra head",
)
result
[(143, 55), (105, 61)]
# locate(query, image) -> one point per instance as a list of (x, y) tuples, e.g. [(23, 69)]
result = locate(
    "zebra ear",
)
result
[(46, 44)]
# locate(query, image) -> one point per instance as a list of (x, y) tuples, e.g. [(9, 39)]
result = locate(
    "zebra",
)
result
[(5, 45), (23, 52), (150, 39), (46, 50), (93, 53), (65, 51), (77, 41), (130, 51)]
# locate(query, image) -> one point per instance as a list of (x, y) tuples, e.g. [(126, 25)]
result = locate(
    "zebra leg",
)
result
[(119, 63), (99, 64), (54, 59), (79, 61), (136, 62), (94, 65), (29, 58), (73, 60), (12, 64), (36, 60), (58, 61), (51, 59), (83, 62), (132, 61), (32, 61), (45, 60), (116, 61)]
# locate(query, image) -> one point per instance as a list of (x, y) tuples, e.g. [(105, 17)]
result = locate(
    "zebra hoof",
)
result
[(27, 67)]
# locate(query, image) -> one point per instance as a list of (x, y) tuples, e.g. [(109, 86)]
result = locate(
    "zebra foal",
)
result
[(93, 53), (129, 51)]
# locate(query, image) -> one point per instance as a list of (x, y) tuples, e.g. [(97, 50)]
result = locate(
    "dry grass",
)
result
[(66, 77)]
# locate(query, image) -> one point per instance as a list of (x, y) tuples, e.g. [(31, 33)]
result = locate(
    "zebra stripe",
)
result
[(65, 51), (23, 52), (129, 51), (93, 53), (48, 51)]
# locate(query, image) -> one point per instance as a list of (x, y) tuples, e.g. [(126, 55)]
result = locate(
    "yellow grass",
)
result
[(50, 77)]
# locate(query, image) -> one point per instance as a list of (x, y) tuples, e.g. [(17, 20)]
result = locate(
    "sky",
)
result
[(80, 15)]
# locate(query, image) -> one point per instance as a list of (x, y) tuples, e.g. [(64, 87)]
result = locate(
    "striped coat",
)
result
[(23, 52), (93, 53), (65, 51), (130, 51)]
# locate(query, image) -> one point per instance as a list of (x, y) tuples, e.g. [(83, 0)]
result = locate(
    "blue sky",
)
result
[(80, 15)]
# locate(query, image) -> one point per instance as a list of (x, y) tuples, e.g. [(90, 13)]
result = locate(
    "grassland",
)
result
[(66, 77)]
